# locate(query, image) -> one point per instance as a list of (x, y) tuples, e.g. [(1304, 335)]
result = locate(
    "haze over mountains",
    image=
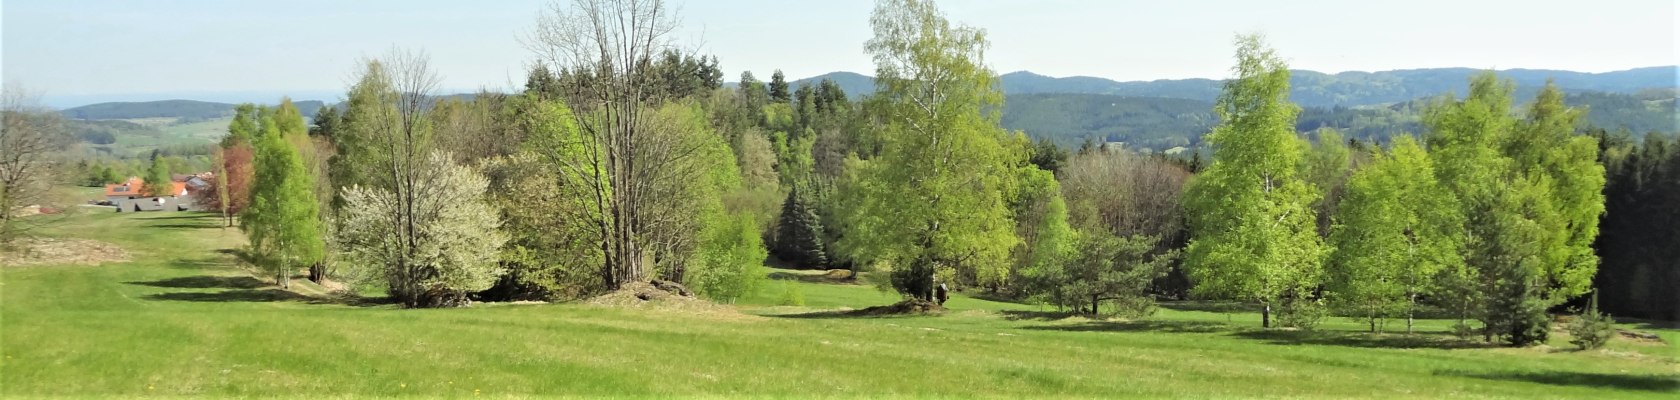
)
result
[(1162, 114)]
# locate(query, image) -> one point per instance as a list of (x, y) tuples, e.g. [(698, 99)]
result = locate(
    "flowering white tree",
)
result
[(453, 248)]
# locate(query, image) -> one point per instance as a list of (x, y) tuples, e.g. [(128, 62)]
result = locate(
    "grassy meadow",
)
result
[(182, 319)]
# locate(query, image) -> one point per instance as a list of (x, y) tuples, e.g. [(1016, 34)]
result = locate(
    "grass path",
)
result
[(182, 320)]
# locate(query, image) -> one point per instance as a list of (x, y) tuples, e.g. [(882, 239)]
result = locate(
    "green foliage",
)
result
[(789, 294), (283, 219), (157, 178), (730, 263), (1104, 269), (799, 232), (1532, 194), (779, 88), (553, 252), (1592, 329), (1637, 274), (933, 203), (1547, 149), (1253, 231), (1395, 231)]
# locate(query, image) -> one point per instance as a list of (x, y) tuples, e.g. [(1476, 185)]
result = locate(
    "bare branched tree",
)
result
[(31, 138), (628, 156), (1125, 193)]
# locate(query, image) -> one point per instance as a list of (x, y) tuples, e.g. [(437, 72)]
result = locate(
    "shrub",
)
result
[(790, 295), (1592, 329)]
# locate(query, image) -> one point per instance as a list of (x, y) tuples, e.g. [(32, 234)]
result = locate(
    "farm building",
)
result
[(132, 195)]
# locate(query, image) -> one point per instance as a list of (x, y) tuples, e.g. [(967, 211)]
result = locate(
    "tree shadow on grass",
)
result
[(185, 226), (180, 215), (1361, 339), (206, 282), (1138, 326), (268, 295), (1652, 383), (1210, 306), (811, 278)]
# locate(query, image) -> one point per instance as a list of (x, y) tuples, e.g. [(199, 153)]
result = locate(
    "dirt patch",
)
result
[(1641, 337), (49, 251), (664, 296), (907, 307), (840, 275)]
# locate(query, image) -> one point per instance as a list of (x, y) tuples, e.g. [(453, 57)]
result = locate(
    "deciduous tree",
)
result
[(1253, 232)]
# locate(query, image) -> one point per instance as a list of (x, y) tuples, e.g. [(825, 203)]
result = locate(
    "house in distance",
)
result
[(132, 194)]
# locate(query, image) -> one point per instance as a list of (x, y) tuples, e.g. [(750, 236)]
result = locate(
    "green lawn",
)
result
[(181, 319)]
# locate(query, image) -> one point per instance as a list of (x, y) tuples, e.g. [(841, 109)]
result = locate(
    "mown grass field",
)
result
[(181, 319)]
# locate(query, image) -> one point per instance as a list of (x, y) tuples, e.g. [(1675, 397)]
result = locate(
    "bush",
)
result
[(790, 295), (1592, 329), (1304, 314)]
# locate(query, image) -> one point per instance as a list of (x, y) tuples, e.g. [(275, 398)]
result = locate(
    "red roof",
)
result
[(136, 187)]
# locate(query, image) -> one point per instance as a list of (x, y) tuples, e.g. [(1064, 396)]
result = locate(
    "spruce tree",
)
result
[(799, 235)]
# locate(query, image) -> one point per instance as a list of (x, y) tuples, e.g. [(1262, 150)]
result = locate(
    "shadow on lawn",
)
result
[(1653, 383), (1361, 339), (237, 295), (205, 282), (1138, 326), (186, 226)]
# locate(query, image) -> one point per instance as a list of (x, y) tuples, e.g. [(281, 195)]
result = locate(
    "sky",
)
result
[(72, 52)]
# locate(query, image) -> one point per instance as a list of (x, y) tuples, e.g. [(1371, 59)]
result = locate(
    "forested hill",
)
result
[(187, 109), (1317, 89)]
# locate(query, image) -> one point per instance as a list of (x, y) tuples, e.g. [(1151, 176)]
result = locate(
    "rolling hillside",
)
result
[(189, 110), (1317, 89)]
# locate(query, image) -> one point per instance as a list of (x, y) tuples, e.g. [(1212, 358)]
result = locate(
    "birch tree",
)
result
[(1253, 232)]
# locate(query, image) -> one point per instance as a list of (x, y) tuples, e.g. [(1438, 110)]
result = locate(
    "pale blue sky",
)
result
[(76, 51)]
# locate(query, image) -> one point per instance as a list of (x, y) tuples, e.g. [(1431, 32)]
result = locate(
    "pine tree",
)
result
[(799, 235)]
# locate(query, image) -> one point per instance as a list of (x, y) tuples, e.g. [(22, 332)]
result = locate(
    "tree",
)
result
[(1253, 234), (453, 248), (1545, 147), (629, 153), (779, 88), (30, 140), (230, 191), (1049, 157), (799, 233), (1640, 227), (1328, 167), (1396, 230), (1502, 284), (282, 221), (157, 177), (1129, 195), (933, 203), (1107, 268)]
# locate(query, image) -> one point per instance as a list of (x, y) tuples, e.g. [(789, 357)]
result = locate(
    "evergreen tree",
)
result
[(779, 88), (157, 177), (799, 235)]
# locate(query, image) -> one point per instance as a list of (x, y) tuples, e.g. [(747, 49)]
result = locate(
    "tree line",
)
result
[(625, 159)]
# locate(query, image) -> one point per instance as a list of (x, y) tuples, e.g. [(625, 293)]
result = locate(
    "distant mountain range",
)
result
[(186, 109), (1169, 113), (1317, 89)]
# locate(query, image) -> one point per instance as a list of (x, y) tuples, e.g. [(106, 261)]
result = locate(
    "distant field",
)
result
[(208, 130), (181, 319)]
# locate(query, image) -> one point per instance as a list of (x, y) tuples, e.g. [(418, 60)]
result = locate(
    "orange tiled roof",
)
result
[(136, 187)]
